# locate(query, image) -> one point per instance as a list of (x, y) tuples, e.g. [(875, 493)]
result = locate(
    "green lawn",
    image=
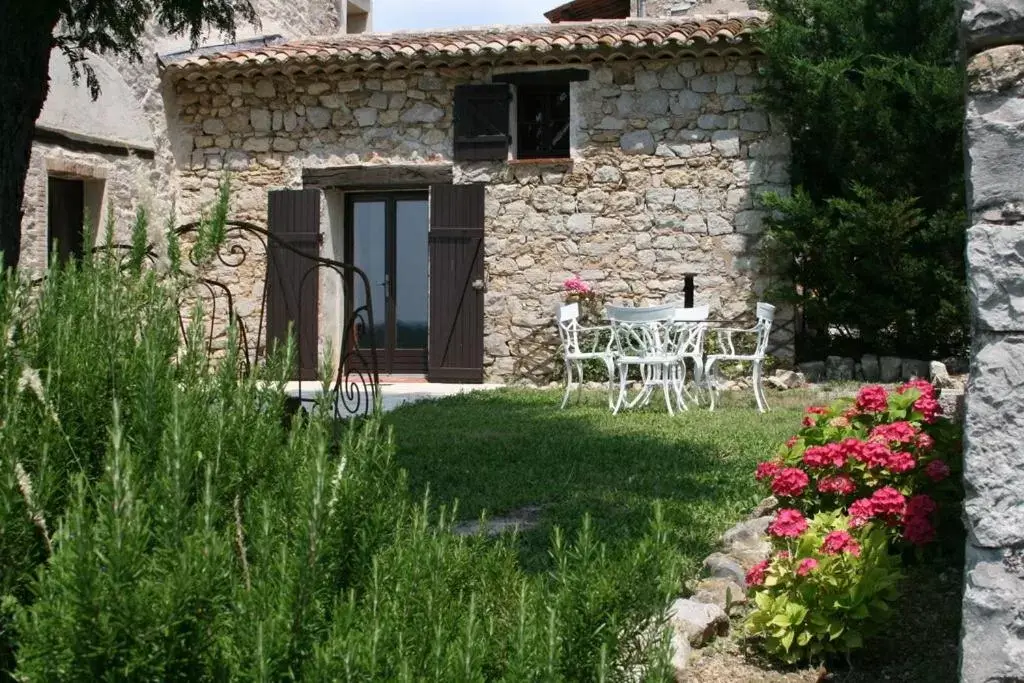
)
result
[(504, 450)]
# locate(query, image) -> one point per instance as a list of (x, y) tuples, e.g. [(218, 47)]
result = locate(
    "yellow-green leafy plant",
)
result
[(824, 590)]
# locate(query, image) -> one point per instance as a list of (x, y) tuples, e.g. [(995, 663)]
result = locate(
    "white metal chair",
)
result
[(689, 326), (729, 353), (643, 339), (580, 344)]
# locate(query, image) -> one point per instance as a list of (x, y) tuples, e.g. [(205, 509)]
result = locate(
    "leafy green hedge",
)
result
[(871, 243), (162, 519)]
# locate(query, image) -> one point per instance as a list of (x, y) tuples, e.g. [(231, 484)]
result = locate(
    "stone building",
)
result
[(993, 612), (470, 172)]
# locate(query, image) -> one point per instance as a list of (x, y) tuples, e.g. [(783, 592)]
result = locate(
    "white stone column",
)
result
[(993, 604)]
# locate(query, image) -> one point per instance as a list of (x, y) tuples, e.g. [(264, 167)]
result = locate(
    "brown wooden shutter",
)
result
[(482, 122), (293, 281), (456, 246), (65, 216)]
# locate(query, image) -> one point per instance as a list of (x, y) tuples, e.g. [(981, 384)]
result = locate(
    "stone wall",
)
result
[(993, 623), (668, 160)]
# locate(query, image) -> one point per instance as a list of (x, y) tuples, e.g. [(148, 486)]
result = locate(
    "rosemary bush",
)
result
[(160, 519)]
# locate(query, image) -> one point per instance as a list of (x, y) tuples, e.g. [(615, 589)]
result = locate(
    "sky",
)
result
[(393, 15)]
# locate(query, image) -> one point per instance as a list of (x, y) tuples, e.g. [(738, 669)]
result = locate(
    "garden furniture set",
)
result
[(657, 347)]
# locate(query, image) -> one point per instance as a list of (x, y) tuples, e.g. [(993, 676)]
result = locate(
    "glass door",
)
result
[(387, 239)]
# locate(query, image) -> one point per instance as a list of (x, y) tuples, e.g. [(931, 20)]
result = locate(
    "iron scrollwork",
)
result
[(215, 277)]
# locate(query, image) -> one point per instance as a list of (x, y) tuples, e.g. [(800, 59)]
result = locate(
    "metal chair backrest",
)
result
[(641, 332), (695, 314), (568, 327), (765, 317)]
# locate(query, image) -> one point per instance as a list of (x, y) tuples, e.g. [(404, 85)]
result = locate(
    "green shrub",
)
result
[(161, 520), (870, 247)]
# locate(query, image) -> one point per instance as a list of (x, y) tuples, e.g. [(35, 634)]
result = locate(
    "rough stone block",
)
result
[(991, 22), (700, 621), (813, 370), (722, 566), (890, 368), (995, 130), (724, 593), (726, 142), (870, 368), (993, 642), (914, 369), (993, 434), (839, 369), (637, 142), (995, 260)]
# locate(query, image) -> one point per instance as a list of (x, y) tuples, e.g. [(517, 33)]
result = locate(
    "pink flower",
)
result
[(874, 454), (755, 577), (873, 399), (824, 456), (900, 461), (861, 511), (790, 482), (783, 555), (929, 408), (809, 419), (921, 505), (841, 484), (936, 470), (841, 422), (924, 442), (788, 523), (926, 388), (899, 432), (806, 566), (767, 470), (839, 542), (918, 530), (791, 441), (888, 501), (576, 285)]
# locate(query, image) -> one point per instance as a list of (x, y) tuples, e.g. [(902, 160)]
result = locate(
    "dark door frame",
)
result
[(392, 360)]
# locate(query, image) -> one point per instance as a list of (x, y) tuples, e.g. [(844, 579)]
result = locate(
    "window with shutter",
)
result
[(482, 122), (543, 113)]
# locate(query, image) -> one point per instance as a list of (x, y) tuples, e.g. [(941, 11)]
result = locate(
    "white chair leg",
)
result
[(610, 366), (709, 379), (568, 383), (679, 380), (623, 377), (579, 387), (762, 402), (665, 388)]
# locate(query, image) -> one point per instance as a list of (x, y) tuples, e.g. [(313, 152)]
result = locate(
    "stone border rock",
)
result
[(696, 621)]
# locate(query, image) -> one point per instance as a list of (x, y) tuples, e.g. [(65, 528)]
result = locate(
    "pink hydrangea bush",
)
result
[(867, 456), (863, 479), (828, 586)]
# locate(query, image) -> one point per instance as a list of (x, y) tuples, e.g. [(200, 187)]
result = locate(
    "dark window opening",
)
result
[(542, 121), (65, 217)]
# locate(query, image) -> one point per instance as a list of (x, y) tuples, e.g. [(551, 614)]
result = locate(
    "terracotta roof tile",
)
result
[(567, 42)]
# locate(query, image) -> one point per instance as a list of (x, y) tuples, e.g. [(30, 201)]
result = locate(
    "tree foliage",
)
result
[(871, 242)]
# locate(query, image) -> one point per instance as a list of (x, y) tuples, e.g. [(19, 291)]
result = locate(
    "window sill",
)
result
[(551, 161)]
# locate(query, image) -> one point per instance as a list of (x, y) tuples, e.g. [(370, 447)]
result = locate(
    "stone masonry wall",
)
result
[(993, 611), (113, 181), (668, 159)]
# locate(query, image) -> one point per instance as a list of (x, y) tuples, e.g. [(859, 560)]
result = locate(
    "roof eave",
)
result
[(353, 65)]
